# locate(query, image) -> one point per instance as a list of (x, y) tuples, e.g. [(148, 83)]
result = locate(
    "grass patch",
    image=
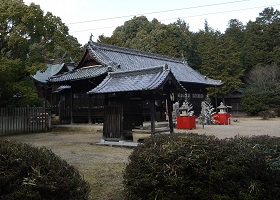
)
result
[(105, 180)]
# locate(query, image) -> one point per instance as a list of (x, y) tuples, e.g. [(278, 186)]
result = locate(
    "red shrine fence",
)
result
[(24, 119)]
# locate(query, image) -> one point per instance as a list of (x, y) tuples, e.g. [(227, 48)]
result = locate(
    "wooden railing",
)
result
[(24, 119)]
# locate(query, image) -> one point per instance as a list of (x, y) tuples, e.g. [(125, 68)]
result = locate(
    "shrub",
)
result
[(28, 172), (204, 167), (254, 101), (268, 114)]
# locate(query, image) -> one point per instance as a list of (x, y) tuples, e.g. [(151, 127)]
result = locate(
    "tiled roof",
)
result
[(82, 73), (52, 69), (129, 59), (62, 87), (136, 80)]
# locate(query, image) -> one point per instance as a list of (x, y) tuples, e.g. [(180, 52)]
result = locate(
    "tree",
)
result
[(262, 44), (263, 90), (123, 35), (138, 33), (219, 58), (235, 31), (254, 101), (27, 39), (265, 78)]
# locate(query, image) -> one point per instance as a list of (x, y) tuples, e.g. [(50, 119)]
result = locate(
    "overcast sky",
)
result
[(84, 17)]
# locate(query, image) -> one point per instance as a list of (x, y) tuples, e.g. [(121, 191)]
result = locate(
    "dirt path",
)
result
[(102, 166)]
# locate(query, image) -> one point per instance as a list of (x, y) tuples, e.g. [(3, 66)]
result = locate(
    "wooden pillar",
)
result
[(106, 103), (122, 120), (191, 95), (152, 113), (89, 109), (71, 107), (216, 101), (169, 110)]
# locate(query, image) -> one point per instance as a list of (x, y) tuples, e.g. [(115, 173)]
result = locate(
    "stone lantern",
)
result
[(186, 119), (222, 117), (222, 108)]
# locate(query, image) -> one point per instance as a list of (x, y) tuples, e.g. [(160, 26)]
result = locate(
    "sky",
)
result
[(97, 17)]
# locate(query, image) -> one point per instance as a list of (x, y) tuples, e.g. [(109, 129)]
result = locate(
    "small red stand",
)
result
[(222, 118), (186, 122)]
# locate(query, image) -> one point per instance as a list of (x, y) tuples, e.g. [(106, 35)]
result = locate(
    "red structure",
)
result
[(222, 118), (186, 122)]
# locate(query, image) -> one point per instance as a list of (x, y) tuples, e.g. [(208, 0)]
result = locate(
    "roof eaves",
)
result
[(74, 75), (160, 77), (161, 74)]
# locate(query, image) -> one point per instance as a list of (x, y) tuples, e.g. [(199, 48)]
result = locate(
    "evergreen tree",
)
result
[(138, 33), (262, 44), (220, 59)]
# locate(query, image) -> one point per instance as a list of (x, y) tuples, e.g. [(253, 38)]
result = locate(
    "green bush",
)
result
[(204, 167), (27, 172), (254, 101)]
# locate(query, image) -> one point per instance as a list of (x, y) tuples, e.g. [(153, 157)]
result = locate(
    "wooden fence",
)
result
[(22, 120)]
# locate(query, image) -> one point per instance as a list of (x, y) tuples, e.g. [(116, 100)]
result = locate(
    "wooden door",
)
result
[(113, 123)]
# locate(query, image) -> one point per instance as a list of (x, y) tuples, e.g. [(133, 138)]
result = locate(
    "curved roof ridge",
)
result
[(158, 79), (134, 52), (87, 67), (81, 73), (142, 70)]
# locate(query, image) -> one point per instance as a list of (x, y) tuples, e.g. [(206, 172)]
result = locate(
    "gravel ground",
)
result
[(67, 140), (242, 127)]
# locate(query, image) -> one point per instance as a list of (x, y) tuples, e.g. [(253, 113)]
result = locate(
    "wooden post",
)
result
[(152, 113), (216, 101), (89, 109), (105, 117), (71, 107), (169, 109), (122, 121)]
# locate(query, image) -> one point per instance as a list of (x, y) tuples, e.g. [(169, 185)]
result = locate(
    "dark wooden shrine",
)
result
[(126, 92), (77, 106)]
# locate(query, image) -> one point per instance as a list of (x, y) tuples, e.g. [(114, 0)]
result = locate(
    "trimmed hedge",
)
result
[(28, 172), (204, 167)]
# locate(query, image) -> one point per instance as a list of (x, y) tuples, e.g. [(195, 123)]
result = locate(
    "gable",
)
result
[(87, 60)]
